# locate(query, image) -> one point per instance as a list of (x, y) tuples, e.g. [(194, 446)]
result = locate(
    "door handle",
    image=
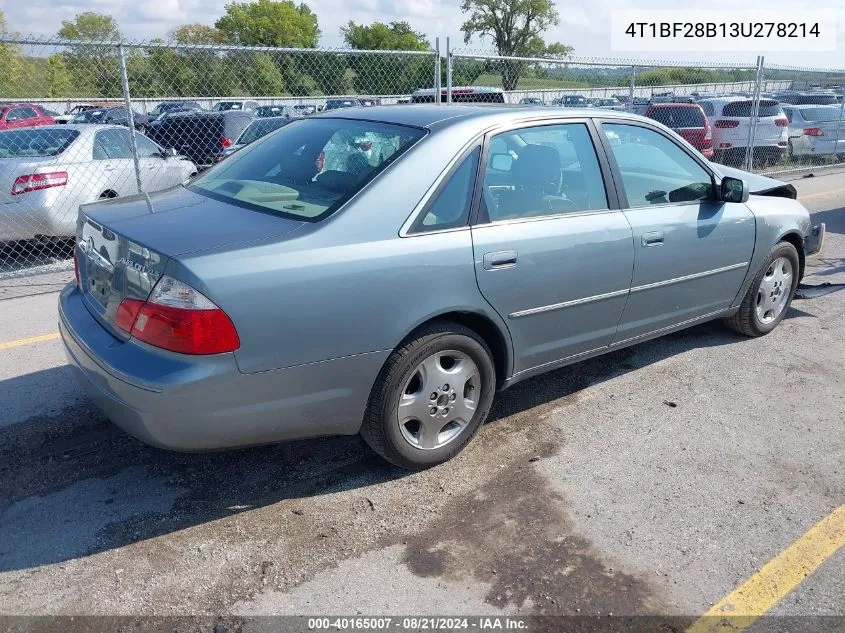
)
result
[(108, 168), (499, 259), (655, 238)]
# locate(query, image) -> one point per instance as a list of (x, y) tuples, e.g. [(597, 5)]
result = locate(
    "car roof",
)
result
[(807, 106), (430, 115)]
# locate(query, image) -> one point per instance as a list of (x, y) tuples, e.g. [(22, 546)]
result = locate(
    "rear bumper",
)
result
[(201, 403), (30, 218)]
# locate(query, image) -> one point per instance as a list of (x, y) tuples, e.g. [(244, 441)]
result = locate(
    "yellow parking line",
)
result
[(29, 341), (763, 590)]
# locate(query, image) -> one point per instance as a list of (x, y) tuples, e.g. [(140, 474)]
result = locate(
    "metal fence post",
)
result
[(130, 118), (631, 90), (448, 72), (437, 70), (755, 114)]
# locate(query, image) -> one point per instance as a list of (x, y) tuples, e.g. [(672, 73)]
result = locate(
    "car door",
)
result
[(553, 252), (157, 171), (114, 164), (691, 251)]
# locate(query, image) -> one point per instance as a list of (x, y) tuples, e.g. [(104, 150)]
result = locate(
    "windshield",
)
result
[(33, 142), (821, 114), (309, 168), (257, 129), (90, 116)]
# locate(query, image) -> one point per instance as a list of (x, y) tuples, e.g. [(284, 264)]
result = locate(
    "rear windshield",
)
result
[(257, 129), (821, 114), (739, 109), (815, 100), (678, 117), (35, 143), (309, 168)]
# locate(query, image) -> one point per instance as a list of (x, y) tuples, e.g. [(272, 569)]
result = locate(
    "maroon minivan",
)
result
[(688, 120)]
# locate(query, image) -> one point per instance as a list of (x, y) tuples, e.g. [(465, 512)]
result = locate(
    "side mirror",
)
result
[(170, 152), (501, 162), (734, 190)]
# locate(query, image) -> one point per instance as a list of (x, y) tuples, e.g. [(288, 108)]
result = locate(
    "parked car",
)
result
[(815, 130), (202, 136), (369, 102), (23, 115), (461, 94), (610, 103), (47, 172), (807, 98), (572, 101), (304, 109), (259, 302), (535, 101), (254, 131), (276, 111), (82, 107), (337, 104), (112, 116), (730, 122), (175, 106), (245, 105), (698, 95), (687, 120)]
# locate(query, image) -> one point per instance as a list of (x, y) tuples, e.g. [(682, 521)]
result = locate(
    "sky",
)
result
[(584, 25)]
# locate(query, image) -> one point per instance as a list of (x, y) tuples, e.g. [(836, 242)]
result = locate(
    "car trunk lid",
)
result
[(124, 245)]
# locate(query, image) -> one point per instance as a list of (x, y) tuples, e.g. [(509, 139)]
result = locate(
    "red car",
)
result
[(688, 120), (23, 115)]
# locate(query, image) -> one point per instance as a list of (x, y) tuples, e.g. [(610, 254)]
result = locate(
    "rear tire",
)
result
[(770, 294), (431, 397)]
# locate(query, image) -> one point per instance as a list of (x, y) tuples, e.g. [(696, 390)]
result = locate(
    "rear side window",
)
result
[(743, 109), (19, 114), (450, 207), (35, 142), (816, 100), (309, 168), (678, 117)]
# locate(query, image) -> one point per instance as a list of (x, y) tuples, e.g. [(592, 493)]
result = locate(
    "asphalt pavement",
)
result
[(653, 480)]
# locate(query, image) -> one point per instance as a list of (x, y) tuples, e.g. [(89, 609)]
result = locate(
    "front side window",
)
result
[(308, 168), (542, 170), (146, 148), (450, 207), (654, 169)]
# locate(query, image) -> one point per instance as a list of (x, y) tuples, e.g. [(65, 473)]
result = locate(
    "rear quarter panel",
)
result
[(349, 284)]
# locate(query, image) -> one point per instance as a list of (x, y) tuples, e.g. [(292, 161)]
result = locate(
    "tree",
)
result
[(515, 26), (94, 27), (10, 62), (396, 36), (269, 23), (197, 34), (58, 77)]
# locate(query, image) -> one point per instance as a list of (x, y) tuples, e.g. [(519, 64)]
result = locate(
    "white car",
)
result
[(815, 130), (47, 172), (730, 123)]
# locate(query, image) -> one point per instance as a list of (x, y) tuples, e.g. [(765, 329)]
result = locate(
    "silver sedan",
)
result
[(384, 271), (47, 172)]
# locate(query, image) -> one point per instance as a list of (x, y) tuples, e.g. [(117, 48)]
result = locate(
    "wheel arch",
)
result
[(491, 330), (794, 238)]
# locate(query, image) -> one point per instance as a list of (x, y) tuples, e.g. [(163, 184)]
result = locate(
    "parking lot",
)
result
[(651, 481)]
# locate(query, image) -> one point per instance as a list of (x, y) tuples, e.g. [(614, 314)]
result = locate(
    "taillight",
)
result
[(781, 122), (178, 318), (725, 123), (34, 182), (76, 266), (226, 142), (813, 131), (321, 161)]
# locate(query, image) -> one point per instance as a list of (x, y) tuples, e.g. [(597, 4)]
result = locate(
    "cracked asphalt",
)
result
[(650, 481)]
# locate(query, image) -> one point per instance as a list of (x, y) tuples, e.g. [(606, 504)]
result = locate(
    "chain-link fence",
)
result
[(82, 121)]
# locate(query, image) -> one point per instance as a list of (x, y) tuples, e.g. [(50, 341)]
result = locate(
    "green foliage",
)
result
[(58, 77), (197, 34), (396, 36), (269, 23), (264, 76), (329, 71), (91, 26), (671, 76)]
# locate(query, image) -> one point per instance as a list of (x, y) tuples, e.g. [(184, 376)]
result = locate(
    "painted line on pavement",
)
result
[(29, 341)]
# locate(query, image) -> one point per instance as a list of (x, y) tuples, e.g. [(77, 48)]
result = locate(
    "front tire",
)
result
[(431, 397), (770, 294)]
